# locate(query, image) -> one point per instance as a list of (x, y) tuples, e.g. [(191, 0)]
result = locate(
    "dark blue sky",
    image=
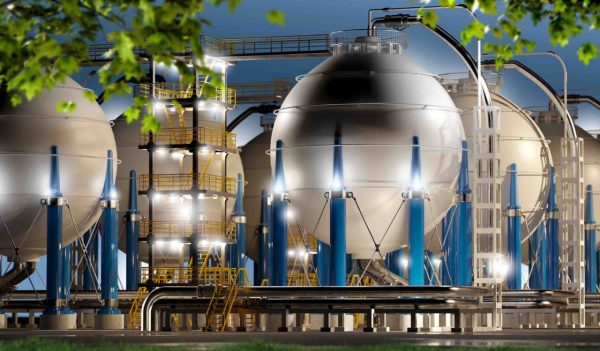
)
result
[(321, 17)]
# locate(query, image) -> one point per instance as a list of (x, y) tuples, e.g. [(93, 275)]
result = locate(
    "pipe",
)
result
[(337, 223), (237, 251), (591, 263), (19, 272), (279, 209), (462, 233), (416, 220), (322, 263), (54, 206), (513, 215), (133, 234), (109, 282), (552, 235), (376, 270), (263, 109), (580, 99), (263, 239)]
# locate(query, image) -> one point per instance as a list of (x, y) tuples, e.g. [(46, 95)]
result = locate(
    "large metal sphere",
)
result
[(378, 102), (172, 208), (27, 133), (521, 142), (591, 157)]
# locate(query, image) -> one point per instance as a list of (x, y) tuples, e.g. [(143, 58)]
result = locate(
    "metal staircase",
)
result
[(135, 312), (223, 299)]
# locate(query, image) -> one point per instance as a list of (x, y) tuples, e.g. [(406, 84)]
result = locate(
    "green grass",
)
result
[(35, 344)]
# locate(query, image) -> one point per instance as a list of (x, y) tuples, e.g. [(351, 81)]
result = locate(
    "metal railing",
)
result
[(276, 90), (184, 182), (206, 229), (206, 275), (174, 90), (298, 241), (179, 136), (302, 279), (265, 45)]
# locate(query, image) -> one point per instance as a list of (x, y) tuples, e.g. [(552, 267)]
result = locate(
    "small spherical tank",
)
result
[(377, 100), (27, 133)]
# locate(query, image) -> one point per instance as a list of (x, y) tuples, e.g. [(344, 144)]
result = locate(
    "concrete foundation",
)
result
[(58, 321), (109, 321)]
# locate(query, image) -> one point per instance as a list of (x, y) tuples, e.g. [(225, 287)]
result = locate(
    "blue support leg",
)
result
[(416, 221), (552, 233), (337, 222), (322, 263), (463, 229), (109, 281), (133, 233), (514, 233), (279, 209), (591, 263), (263, 239), (54, 204), (238, 250)]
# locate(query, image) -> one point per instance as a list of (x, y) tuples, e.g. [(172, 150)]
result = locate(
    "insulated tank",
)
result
[(521, 142), (551, 124), (27, 133), (378, 100), (172, 211)]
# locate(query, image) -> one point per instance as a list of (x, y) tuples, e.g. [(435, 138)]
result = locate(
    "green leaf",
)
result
[(276, 17), (150, 124), (587, 52), (474, 29), (428, 17), (90, 95), (66, 107)]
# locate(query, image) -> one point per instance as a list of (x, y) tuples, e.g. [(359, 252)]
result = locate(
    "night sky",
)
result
[(322, 17)]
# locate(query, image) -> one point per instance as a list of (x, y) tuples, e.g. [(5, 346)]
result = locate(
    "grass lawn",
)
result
[(34, 344)]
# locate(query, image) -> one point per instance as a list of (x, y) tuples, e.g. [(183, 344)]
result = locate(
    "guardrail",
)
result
[(184, 182), (225, 231), (206, 275), (180, 136), (175, 90), (247, 93)]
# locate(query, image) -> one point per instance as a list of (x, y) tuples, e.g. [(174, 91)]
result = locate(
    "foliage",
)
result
[(565, 19), (42, 42)]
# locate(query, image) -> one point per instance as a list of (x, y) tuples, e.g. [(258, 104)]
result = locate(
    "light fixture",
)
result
[(161, 151), (404, 262), (158, 105), (291, 253), (290, 214), (156, 196)]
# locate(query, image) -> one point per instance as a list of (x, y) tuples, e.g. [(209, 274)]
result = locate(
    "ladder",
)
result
[(571, 207), (488, 268), (135, 312)]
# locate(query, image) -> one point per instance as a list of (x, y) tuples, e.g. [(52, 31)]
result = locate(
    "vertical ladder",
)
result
[(487, 210), (571, 207)]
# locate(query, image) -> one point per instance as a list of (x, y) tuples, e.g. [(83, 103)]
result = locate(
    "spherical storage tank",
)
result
[(377, 100), (521, 142), (27, 133)]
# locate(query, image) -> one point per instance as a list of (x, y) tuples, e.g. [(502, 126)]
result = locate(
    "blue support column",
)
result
[(133, 234), (538, 252), (322, 263), (337, 222), (66, 277), (54, 204), (416, 220), (513, 215), (237, 251), (109, 281), (91, 240), (462, 235), (553, 278), (279, 209), (591, 263), (263, 240)]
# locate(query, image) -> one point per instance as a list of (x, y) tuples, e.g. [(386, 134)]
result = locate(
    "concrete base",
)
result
[(3, 321), (58, 321), (109, 321)]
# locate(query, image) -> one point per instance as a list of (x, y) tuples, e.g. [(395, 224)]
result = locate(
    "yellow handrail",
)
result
[(184, 182), (225, 231), (178, 136), (175, 90)]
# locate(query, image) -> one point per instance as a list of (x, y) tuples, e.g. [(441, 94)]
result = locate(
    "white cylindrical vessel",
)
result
[(378, 100), (27, 133)]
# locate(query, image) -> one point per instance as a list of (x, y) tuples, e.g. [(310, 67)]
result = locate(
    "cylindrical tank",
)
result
[(27, 132), (521, 142), (550, 123), (377, 100), (174, 210)]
